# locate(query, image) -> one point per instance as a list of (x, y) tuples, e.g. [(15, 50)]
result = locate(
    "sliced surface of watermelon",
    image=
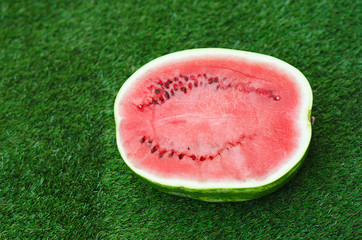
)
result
[(214, 124)]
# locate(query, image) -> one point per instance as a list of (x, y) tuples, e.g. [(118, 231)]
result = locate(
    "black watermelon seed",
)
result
[(183, 89), (158, 91), (143, 140), (167, 95), (154, 101), (154, 149), (180, 156)]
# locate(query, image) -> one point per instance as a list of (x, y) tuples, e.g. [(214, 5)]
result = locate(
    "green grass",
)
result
[(61, 65)]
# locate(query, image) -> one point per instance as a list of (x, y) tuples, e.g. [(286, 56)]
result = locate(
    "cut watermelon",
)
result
[(214, 124)]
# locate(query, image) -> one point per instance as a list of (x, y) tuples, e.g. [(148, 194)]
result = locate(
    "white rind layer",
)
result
[(303, 123)]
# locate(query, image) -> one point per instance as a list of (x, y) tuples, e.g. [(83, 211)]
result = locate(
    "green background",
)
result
[(61, 66)]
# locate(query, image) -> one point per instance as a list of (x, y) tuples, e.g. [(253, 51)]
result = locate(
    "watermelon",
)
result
[(216, 125)]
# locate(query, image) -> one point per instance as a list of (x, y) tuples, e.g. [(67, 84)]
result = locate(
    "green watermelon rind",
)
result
[(227, 194)]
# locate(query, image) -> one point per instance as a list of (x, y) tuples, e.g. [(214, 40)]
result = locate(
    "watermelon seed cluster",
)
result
[(156, 148), (164, 90)]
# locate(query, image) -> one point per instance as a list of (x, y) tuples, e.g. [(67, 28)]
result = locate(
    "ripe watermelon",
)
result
[(214, 124)]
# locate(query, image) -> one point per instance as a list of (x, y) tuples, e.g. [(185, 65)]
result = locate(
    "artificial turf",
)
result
[(61, 65)]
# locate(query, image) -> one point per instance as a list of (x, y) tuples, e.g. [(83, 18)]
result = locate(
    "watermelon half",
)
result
[(214, 124)]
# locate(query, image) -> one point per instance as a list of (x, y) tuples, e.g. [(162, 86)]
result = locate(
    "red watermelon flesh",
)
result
[(210, 118)]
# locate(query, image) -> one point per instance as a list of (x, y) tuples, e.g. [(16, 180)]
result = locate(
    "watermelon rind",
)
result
[(223, 191), (227, 194)]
